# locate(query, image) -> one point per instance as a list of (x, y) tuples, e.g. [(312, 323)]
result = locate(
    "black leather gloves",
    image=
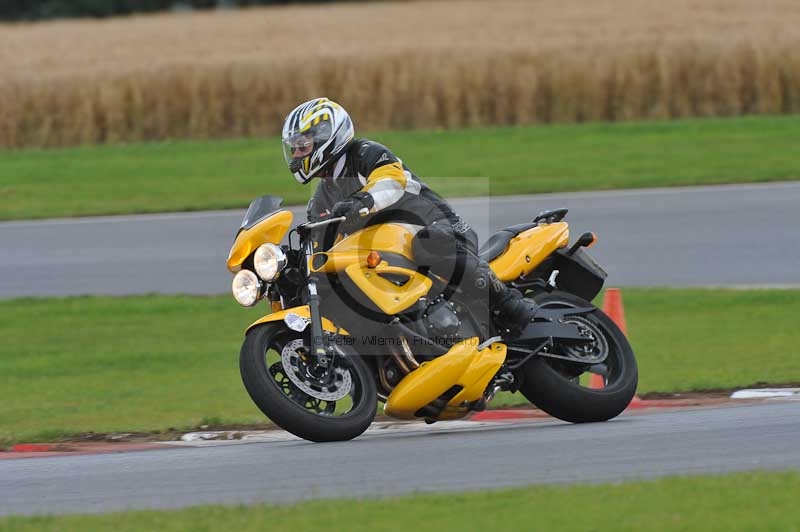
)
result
[(349, 208)]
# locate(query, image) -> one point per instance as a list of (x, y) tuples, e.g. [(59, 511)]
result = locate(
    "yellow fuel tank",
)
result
[(390, 238)]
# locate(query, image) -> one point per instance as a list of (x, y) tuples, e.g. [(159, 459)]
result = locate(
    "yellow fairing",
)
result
[(389, 297), (528, 249), (394, 238), (300, 311), (463, 365), (271, 229)]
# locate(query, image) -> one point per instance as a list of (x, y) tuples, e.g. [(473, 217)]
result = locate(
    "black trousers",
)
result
[(449, 248)]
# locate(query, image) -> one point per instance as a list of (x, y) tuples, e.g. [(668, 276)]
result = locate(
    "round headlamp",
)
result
[(246, 288), (269, 261)]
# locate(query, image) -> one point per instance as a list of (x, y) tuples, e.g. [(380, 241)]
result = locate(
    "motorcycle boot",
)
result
[(514, 311), (510, 309)]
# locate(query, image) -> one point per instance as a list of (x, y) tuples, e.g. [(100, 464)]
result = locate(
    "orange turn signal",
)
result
[(373, 259)]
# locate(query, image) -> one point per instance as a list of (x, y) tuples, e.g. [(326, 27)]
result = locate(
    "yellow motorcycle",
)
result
[(357, 322)]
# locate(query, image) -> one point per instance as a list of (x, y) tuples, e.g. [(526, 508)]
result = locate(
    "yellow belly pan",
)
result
[(463, 365)]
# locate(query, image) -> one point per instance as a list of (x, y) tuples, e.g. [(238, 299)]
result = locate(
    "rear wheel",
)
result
[(301, 397), (561, 387)]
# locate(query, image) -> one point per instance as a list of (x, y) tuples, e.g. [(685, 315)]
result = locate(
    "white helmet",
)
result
[(314, 135)]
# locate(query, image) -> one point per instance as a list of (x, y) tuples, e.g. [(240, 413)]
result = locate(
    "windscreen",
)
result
[(259, 209)]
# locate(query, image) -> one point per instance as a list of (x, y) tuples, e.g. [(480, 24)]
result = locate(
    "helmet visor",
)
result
[(300, 144), (298, 147)]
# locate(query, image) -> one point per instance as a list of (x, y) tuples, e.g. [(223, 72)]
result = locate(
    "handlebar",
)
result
[(313, 225), (323, 223)]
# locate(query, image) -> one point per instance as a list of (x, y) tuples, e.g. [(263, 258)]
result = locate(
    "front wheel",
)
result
[(301, 397), (559, 387)]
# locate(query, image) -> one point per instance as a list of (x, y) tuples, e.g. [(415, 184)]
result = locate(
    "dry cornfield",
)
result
[(444, 63)]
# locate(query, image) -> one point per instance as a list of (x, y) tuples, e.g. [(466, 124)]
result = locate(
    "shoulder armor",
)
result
[(370, 155)]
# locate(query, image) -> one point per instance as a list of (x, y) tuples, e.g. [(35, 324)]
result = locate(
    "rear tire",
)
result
[(272, 398), (553, 386)]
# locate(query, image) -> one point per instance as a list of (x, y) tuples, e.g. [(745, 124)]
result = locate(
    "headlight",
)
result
[(269, 261), (246, 288)]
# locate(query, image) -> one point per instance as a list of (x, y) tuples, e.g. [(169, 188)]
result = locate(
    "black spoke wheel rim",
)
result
[(319, 406), (610, 369)]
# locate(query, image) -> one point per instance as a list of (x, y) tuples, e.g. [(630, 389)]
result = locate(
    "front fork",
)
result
[(321, 346), (319, 340)]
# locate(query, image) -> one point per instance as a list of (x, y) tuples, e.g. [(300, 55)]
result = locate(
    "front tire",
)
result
[(554, 386), (305, 412)]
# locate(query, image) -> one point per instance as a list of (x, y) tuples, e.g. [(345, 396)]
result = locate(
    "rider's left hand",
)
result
[(351, 206)]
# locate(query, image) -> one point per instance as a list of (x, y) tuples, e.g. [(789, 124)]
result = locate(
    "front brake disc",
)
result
[(297, 370)]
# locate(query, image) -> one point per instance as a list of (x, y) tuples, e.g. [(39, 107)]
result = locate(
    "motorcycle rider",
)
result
[(318, 141)]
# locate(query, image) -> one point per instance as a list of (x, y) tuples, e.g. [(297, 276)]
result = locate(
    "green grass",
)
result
[(102, 364), (74, 365), (700, 339), (743, 501), (178, 176)]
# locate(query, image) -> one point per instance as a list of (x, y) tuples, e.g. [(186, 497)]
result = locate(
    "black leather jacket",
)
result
[(399, 195)]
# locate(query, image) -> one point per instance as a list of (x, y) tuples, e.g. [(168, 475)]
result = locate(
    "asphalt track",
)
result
[(734, 236), (759, 436), (745, 235)]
